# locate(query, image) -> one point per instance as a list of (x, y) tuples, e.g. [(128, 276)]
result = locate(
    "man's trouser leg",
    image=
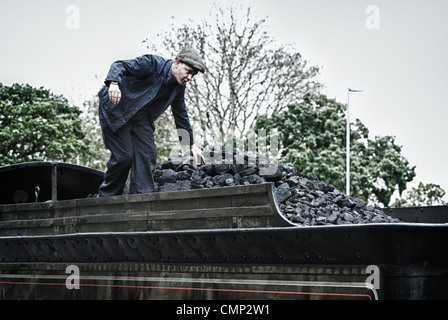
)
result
[(145, 154), (132, 146), (120, 162)]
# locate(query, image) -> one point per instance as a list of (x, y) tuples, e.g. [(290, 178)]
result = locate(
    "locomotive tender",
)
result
[(228, 243)]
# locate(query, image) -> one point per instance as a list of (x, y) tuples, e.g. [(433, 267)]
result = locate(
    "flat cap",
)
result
[(192, 58)]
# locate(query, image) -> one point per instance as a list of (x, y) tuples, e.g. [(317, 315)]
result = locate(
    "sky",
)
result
[(395, 51)]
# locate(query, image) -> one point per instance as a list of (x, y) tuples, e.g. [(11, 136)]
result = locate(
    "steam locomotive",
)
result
[(229, 243)]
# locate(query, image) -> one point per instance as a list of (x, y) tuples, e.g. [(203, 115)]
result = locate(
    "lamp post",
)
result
[(347, 177)]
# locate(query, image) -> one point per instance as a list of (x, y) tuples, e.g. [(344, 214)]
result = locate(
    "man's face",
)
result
[(182, 72)]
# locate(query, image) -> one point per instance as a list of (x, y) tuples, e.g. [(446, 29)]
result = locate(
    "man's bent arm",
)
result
[(139, 67)]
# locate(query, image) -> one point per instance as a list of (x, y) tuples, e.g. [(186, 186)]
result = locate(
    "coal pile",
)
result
[(304, 201)]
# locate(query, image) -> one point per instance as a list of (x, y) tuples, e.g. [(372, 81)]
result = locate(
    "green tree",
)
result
[(429, 194), (312, 136), (167, 138), (94, 138), (36, 125)]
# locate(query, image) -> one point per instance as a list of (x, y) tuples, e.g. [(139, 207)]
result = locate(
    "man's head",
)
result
[(186, 65)]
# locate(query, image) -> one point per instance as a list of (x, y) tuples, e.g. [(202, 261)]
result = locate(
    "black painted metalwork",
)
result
[(429, 214), (398, 244), (407, 254), (224, 243), (237, 207), (55, 180)]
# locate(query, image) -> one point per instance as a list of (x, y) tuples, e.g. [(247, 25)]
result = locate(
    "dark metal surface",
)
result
[(430, 214), (224, 243), (411, 256), (55, 180), (185, 282), (231, 207), (400, 244)]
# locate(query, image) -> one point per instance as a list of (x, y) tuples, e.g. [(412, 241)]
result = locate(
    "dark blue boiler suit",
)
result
[(147, 89)]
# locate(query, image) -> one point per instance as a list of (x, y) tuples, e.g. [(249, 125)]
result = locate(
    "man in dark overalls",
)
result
[(135, 94)]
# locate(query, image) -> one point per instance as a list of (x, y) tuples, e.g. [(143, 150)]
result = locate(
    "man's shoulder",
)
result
[(156, 62), (156, 58)]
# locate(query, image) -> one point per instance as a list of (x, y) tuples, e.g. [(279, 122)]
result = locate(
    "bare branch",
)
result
[(247, 73)]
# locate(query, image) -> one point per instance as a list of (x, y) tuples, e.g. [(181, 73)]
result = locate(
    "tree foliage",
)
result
[(313, 138), (93, 137), (247, 72), (428, 194), (36, 125)]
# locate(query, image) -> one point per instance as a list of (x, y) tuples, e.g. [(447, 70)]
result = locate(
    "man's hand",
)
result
[(197, 154), (114, 92)]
